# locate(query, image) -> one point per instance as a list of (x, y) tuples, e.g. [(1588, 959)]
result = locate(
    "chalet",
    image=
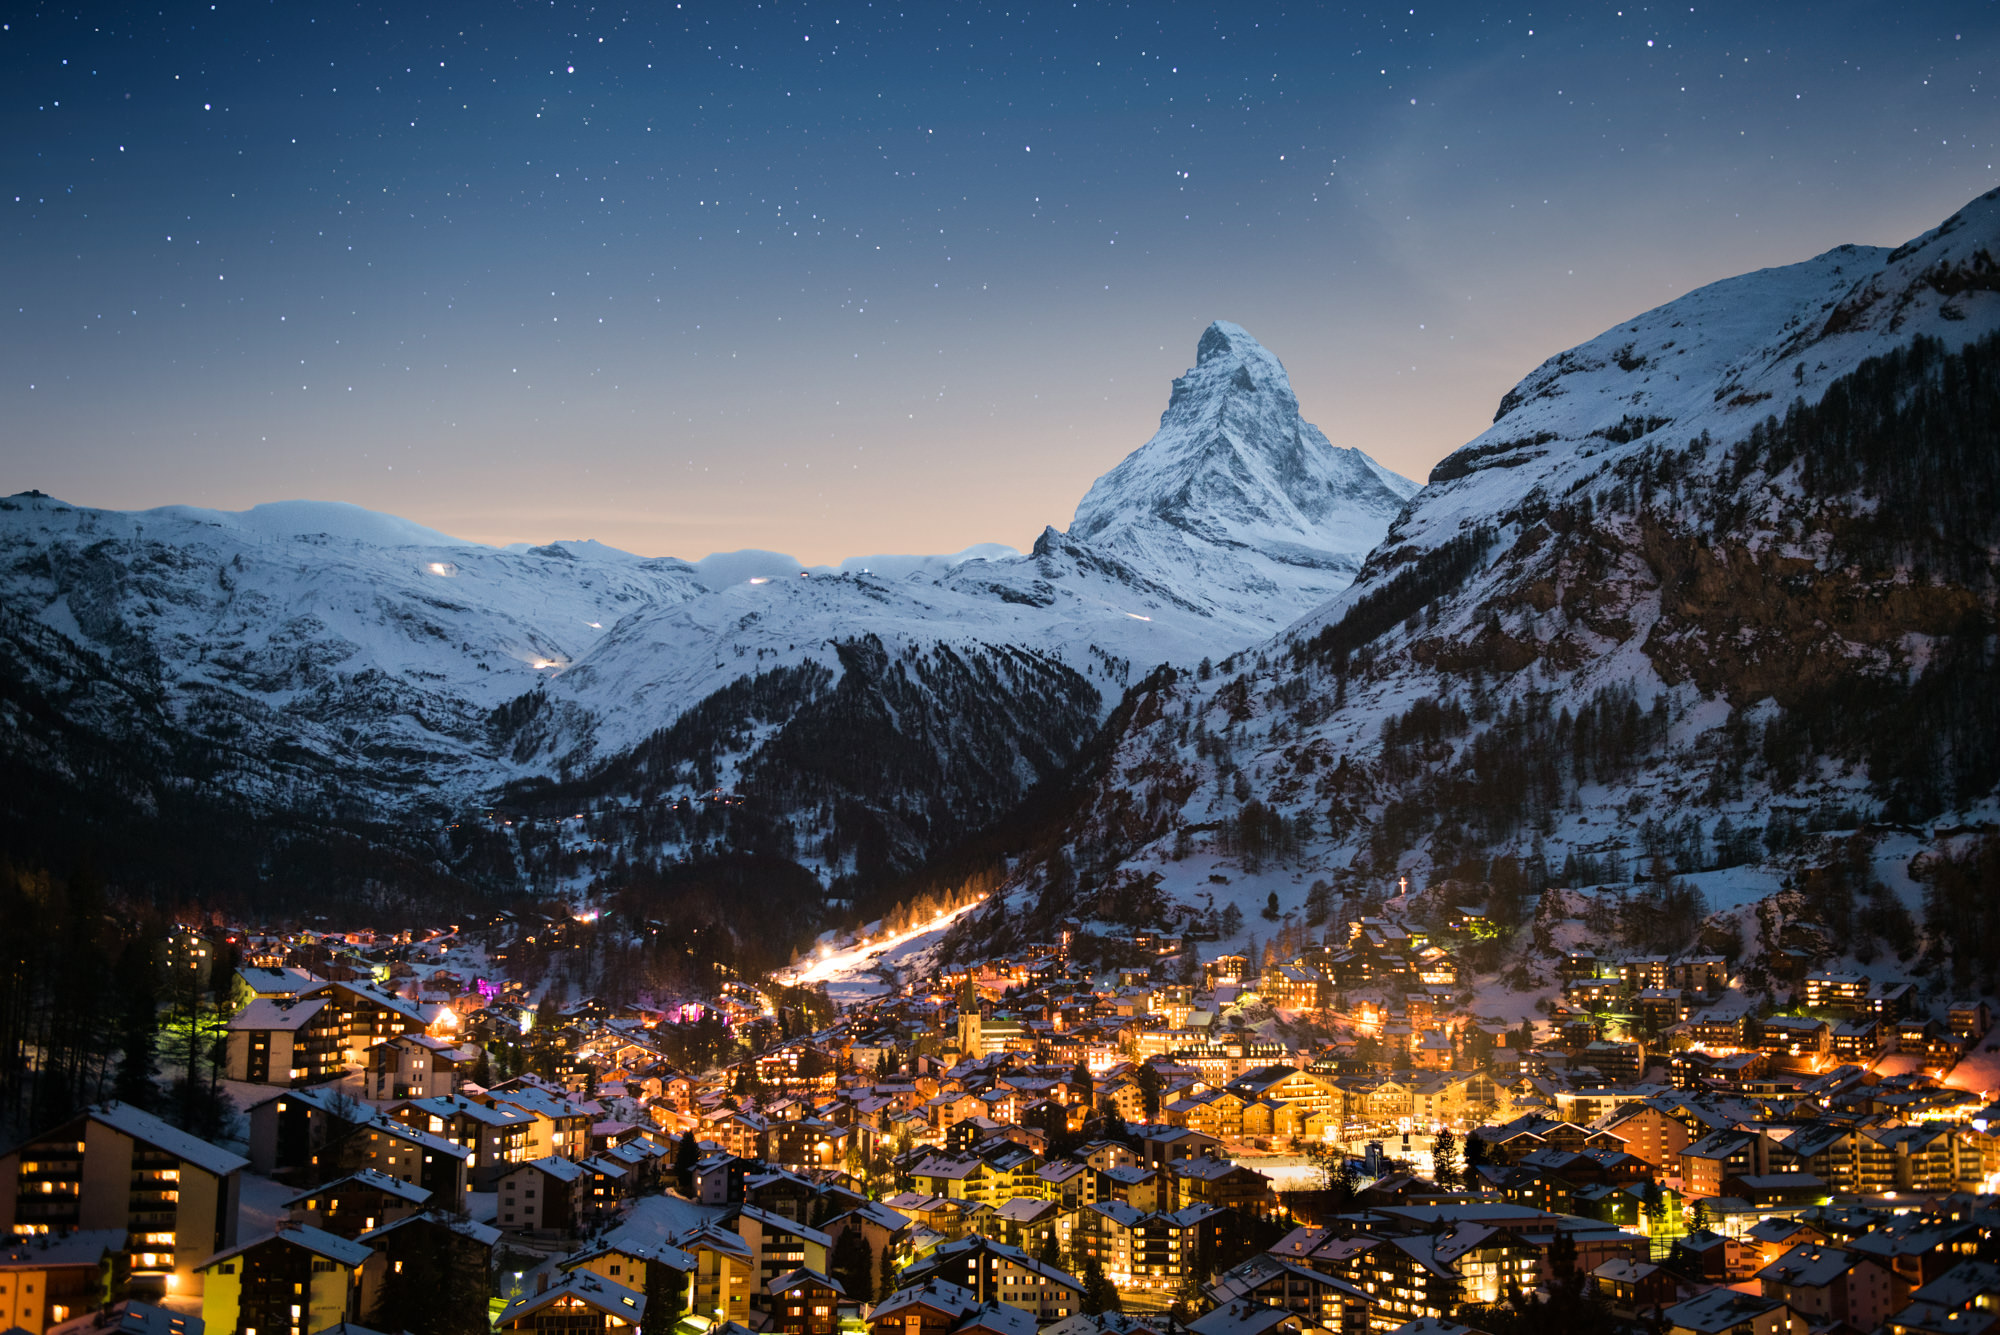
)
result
[(1219, 1182), (1633, 1286), (296, 1281), (1825, 1284), (357, 1203), (579, 1303), (285, 1042), (276, 983), (1721, 1155), (1731, 1312), (393, 1148), (995, 1272), (804, 1302), (779, 1244), (934, 1307), (430, 1238), (723, 1275), (560, 1126), (542, 1195), (1287, 1084), (630, 1263), (1244, 1317), (368, 1015), (494, 1136), (1323, 1301), (417, 1066)]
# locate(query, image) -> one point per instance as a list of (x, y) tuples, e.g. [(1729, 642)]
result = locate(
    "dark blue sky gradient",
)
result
[(841, 279)]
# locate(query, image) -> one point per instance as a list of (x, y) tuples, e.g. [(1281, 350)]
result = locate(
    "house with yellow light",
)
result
[(51, 1278), (295, 1281), (580, 1303)]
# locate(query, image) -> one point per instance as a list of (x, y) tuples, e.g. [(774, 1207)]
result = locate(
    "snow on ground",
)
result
[(1979, 1069), (850, 970), (1288, 1172), (1734, 887), (263, 1205)]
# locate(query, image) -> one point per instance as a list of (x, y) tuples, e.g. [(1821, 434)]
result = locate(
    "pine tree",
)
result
[(1444, 1155), (139, 1027), (686, 1155), (1147, 1078), (852, 1264), (666, 1299)]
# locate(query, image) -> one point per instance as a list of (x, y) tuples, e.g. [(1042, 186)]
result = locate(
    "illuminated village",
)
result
[(1336, 1141)]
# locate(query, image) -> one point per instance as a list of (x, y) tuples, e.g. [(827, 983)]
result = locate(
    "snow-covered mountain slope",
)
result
[(1238, 499), (1720, 577), (402, 669), (322, 630)]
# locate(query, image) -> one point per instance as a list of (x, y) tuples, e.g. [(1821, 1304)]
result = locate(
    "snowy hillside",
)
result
[(1714, 592)]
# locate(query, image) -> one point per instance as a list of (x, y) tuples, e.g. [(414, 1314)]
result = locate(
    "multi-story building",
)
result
[(417, 1066), (286, 1042), (579, 1303), (805, 1302), (1221, 1182), (560, 1127), (188, 955), (293, 1282), (1435, 1274), (1843, 993), (994, 1272), (357, 1203), (116, 1167), (368, 1015), (724, 1274), (541, 1195), (46, 1281), (494, 1136), (779, 1244), (1829, 1286)]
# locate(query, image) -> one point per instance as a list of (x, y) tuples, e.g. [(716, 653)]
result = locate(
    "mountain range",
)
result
[(329, 668), (1715, 592)]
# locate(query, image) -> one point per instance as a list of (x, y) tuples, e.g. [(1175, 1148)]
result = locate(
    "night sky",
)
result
[(839, 279)]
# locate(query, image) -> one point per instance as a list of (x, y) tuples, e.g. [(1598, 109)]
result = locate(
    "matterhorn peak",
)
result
[(1235, 477), (1228, 362)]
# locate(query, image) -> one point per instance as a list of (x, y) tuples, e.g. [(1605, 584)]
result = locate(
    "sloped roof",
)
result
[(628, 1305), (143, 1126), (315, 1240)]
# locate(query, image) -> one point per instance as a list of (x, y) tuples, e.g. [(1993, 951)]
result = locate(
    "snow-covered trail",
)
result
[(849, 971)]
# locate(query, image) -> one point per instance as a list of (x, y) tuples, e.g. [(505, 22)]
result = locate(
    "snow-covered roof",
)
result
[(281, 1016), (318, 1241), (143, 1126)]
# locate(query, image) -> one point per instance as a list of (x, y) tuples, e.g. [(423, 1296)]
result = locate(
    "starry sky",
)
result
[(841, 279)]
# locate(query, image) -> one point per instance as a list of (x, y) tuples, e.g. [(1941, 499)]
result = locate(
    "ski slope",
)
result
[(852, 972)]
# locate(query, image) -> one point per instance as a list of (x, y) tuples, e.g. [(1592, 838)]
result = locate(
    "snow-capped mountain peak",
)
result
[(1238, 491)]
